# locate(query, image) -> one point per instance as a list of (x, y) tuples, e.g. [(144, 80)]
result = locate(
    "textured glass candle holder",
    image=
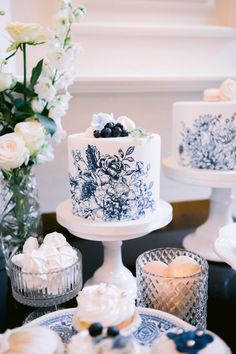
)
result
[(46, 289), (184, 297)]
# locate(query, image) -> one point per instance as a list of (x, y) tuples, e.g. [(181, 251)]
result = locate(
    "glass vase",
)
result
[(20, 215)]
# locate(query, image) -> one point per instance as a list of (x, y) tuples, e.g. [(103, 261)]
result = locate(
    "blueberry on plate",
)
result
[(113, 331), (95, 329)]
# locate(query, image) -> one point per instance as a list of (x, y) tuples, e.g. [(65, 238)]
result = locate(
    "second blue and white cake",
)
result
[(204, 132), (114, 170)]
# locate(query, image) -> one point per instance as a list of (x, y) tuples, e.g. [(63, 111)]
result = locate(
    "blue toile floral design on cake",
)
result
[(110, 187), (210, 143)]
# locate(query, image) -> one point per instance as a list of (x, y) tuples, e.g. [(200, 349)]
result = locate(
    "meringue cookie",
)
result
[(157, 268), (211, 95), (227, 90), (183, 266), (39, 267), (30, 244), (55, 239), (31, 340)]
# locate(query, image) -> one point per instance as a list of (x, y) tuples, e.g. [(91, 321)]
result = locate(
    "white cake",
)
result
[(204, 132), (114, 178), (190, 342)]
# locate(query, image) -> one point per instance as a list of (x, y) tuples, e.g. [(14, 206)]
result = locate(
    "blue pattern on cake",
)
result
[(210, 143), (110, 187)]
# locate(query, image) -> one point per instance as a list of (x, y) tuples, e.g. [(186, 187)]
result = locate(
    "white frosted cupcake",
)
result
[(107, 303), (190, 342), (30, 340), (96, 340)]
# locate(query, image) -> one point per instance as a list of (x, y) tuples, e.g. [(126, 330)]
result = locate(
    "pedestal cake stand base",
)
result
[(203, 239), (111, 234)]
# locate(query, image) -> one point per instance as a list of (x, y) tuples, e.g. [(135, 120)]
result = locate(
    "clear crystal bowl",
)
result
[(46, 289), (184, 297)]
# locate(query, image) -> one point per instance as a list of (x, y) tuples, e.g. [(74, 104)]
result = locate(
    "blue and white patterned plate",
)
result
[(153, 323)]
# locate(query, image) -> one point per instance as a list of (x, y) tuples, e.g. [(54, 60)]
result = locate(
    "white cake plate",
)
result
[(203, 239), (112, 234)]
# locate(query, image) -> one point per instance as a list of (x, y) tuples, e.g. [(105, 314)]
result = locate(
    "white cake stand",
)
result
[(112, 234), (203, 239)]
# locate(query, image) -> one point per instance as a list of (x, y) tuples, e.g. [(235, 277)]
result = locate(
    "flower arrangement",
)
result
[(31, 111), (30, 119)]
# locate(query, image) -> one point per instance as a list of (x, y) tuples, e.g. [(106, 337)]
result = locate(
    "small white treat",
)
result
[(31, 340), (183, 266), (127, 123), (107, 303), (211, 95), (213, 344), (55, 239), (227, 90), (19, 260), (30, 244), (157, 268)]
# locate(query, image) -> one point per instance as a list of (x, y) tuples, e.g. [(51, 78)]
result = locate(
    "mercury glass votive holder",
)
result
[(184, 297), (46, 289)]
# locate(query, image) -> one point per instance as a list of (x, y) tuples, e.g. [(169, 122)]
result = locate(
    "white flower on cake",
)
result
[(99, 120), (13, 152)]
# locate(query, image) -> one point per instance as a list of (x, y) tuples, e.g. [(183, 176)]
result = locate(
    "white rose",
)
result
[(7, 81), (31, 33), (227, 90), (13, 152), (32, 132), (127, 123), (45, 89)]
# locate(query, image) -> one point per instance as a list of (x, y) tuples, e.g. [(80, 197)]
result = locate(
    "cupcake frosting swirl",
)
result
[(106, 303)]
